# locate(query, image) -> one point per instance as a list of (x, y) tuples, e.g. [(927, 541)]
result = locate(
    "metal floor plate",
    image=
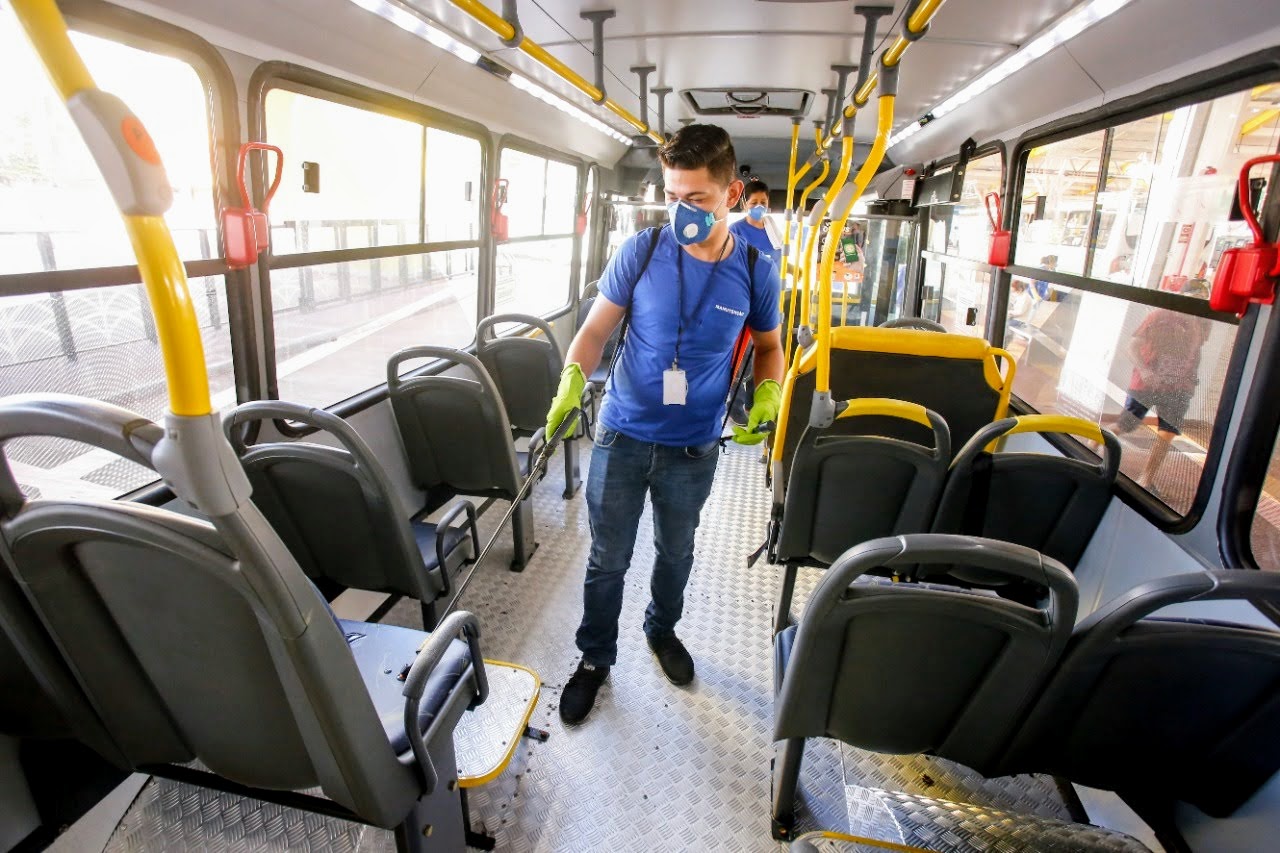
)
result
[(481, 755), (656, 767)]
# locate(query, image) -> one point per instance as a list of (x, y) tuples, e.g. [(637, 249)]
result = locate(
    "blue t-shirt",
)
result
[(757, 237), (633, 405)]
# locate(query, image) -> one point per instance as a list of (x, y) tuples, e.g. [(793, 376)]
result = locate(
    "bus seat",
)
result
[(335, 509), (848, 489), (598, 376), (190, 650), (457, 436), (1164, 708), (39, 698), (957, 376), (526, 371), (1049, 503), (920, 323), (906, 668)]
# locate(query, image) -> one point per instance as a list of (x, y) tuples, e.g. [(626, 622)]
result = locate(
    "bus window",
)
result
[(957, 279), (1264, 536), (57, 215), (337, 321), (534, 269), (1145, 205)]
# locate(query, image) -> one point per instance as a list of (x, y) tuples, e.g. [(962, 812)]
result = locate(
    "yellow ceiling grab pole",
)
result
[(131, 166), (915, 27), (791, 194), (803, 275), (884, 127), (504, 30)]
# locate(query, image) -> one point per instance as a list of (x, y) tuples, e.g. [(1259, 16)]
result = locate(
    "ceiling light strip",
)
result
[(1067, 27), (411, 23)]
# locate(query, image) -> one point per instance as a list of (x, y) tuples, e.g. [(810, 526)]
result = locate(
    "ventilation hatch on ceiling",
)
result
[(748, 102)]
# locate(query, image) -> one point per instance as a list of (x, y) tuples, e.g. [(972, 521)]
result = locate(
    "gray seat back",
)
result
[(38, 694), (1049, 503), (1168, 708), (589, 296), (525, 370), (847, 489), (919, 323), (335, 508), (904, 667), (184, 650), (963, 379), (455, 431)]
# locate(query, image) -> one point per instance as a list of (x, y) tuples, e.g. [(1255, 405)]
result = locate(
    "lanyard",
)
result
[(702, 300)]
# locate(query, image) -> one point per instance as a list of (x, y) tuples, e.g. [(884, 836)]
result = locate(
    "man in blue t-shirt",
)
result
[(661, 419), (754, 228)]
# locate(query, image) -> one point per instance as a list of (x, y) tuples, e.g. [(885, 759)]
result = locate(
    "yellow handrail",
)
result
[(162, 272), (538, 53), (791, 194), (842, 174), (1058, 423), (916, 23), (795, 291), (883, 128)]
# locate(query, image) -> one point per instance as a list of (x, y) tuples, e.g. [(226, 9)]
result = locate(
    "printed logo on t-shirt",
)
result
[(732, 311)]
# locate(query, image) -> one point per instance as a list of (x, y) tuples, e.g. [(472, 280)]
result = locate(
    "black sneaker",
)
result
[(579, 695), (676, 663)]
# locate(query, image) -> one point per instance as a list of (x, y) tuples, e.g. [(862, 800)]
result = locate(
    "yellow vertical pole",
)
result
[(162, 271)]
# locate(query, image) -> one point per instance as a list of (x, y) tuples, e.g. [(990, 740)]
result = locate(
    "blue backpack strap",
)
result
[(655, 233)]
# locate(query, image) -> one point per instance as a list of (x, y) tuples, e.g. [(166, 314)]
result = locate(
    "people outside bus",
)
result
[(659, 426), (1165, 350), (1044, 290), (754, 227)]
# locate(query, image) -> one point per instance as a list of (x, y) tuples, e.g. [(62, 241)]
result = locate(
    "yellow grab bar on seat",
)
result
[(886, 407), (1058, 423)]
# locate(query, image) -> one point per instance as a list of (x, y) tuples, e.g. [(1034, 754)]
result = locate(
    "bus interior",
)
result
[(289, 562)]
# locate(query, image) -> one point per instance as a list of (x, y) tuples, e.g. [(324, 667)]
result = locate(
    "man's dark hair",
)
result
[(695, 146), (755, 185)]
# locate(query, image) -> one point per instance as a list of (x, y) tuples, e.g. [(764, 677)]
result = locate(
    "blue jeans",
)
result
[(678, 480)]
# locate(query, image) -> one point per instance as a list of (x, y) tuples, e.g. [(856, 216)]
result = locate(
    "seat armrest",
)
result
[(457, 625), (449, 519)]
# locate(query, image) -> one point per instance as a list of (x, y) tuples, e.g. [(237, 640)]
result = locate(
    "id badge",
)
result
[(675, 388)]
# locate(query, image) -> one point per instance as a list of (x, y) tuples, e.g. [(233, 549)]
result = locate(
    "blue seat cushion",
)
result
[(425, 533), (383, 654)]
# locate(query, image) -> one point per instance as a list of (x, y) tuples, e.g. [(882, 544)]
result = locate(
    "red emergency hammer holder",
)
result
[(1247, 274), (998, 254), (245, 232)]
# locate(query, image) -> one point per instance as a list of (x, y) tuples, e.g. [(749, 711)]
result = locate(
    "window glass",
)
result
[(453, 187), (869, 274), (526, 175), (55, 209), (337, 324), (533, 277), (99, 343), (1151, 375), (1161, 217), (562, 198), (1265, 534), (370, 175), (1059, 185), (962, 229), (955, 295)]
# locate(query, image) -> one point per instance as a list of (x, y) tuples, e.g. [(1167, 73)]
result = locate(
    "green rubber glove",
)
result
[(568, 397), (765, 404)]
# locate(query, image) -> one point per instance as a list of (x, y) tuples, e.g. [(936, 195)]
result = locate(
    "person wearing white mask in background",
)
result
[(755, 228)]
